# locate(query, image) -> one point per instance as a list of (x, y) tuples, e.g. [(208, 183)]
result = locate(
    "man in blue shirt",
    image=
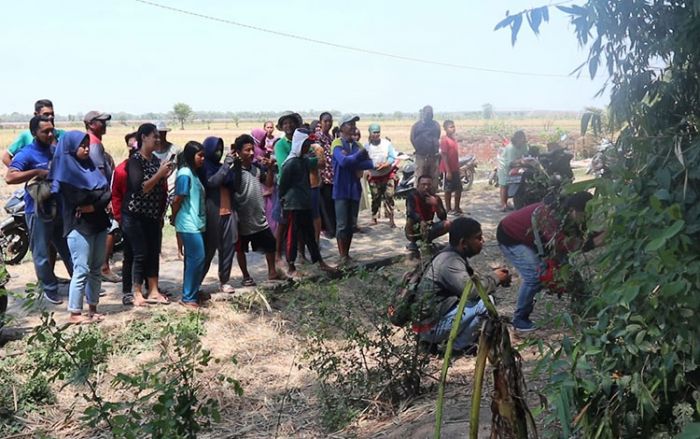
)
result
[(349, 161), (32, 162)]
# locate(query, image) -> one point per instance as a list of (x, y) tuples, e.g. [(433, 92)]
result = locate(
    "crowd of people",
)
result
[(272, 195)]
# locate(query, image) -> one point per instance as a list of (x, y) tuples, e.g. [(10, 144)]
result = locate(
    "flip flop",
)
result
[(161, 301), (248, 282), (193, 306), (96, 317), (84, 320)]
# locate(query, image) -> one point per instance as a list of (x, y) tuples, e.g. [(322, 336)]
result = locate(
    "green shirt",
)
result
[(25, 138), (282, 149)]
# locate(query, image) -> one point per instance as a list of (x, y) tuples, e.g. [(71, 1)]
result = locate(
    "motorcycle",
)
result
[(14, 233), (408, 176), (536, 175), (601, 161)]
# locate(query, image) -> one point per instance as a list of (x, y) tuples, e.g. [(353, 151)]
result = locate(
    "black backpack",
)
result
[(401, 309)]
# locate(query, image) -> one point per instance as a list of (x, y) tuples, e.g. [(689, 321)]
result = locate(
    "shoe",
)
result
[(412, 247), (468, 351), (53, 298), (523, 326), (226, 288), (111, 277)]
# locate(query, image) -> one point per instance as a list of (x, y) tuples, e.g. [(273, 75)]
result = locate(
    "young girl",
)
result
[(85, 194), (189, 214), (295, 195)]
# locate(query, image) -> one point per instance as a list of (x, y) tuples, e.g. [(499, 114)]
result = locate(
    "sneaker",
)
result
[(111, 277), (52, 298), (523, 325)]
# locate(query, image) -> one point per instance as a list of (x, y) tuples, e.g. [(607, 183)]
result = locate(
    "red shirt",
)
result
[(517, 228), (449, 149), (118, 190)]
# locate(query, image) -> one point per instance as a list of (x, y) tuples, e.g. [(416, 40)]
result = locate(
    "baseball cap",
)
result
[(162, 127), (348, 118), (96, 115), (374, 128)]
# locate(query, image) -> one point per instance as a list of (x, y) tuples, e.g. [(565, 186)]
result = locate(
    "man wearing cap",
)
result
[(96, 127), (349, 160), (288, 122), (381, 178), (425, 138), (167, 149)]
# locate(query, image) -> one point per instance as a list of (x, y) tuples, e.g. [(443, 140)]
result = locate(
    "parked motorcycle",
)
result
[(601, 161), (537, 175), (14, 233), (408, 176)]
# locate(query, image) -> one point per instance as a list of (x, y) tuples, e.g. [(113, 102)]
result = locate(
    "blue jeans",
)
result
[(194, 265), (41, 235), (88, 253), (468, 328), (346, 218), (526, 261)]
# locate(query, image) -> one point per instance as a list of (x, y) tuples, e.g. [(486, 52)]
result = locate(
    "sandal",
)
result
[(194, 306), (128, 299), (80, 320), (161, 300), (248, 282), (96, 317)]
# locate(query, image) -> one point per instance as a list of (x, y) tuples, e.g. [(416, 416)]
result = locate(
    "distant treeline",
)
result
[(209, 116)]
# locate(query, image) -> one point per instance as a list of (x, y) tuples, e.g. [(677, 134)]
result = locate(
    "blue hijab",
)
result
[(67, 168), (213, 151)]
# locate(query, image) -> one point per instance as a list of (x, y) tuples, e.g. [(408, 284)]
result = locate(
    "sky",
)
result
[(129, 56)]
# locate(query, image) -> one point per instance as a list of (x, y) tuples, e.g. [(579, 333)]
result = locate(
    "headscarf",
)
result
[(213, 151), (67, 168), (300, 135), (259, 135)]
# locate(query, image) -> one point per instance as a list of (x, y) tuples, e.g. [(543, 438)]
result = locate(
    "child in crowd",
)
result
[(295, 196), (189, 215), (252, 221)]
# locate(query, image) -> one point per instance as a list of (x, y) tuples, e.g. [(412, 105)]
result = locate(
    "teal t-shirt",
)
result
[(191, 218), (25, 138)]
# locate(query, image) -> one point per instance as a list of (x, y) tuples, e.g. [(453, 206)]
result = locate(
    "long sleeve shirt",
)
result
[(348, 159), (444, 280)]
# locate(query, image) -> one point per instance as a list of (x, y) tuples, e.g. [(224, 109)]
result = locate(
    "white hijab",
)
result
[(297, 141)]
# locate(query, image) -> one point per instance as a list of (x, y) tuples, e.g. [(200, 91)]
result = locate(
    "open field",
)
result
[(397, 130)]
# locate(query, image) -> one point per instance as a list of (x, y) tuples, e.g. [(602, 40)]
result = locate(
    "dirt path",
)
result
[(268, 347)]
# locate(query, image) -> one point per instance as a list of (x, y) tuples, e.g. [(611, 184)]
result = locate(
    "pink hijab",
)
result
[(259, 136)]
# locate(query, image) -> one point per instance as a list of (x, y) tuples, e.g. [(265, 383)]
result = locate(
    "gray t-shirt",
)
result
[(250, 203)]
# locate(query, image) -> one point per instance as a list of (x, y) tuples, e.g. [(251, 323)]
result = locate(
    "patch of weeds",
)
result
[(364, 364)]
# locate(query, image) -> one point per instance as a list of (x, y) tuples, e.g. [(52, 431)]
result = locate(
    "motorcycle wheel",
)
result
[(15, 245), (468, 179)]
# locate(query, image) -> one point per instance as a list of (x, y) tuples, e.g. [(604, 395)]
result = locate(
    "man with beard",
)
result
[(442, 284), (43, 218), (425, 138)]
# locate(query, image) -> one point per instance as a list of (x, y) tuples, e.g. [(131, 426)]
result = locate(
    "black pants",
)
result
[(127, 264), (300, 224), (221, 235), (145, 237), (327, 209)]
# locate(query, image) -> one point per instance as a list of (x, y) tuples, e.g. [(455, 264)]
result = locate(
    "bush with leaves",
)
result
[(362, 361), (631, 369)]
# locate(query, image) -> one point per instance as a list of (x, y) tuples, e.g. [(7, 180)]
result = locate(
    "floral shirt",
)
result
[(325, 141)]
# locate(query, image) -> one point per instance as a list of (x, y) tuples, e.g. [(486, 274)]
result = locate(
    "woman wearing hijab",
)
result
[(189, 214), (221, 225), (266, 159), (84, 193), (142, 212), (295, 197)]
